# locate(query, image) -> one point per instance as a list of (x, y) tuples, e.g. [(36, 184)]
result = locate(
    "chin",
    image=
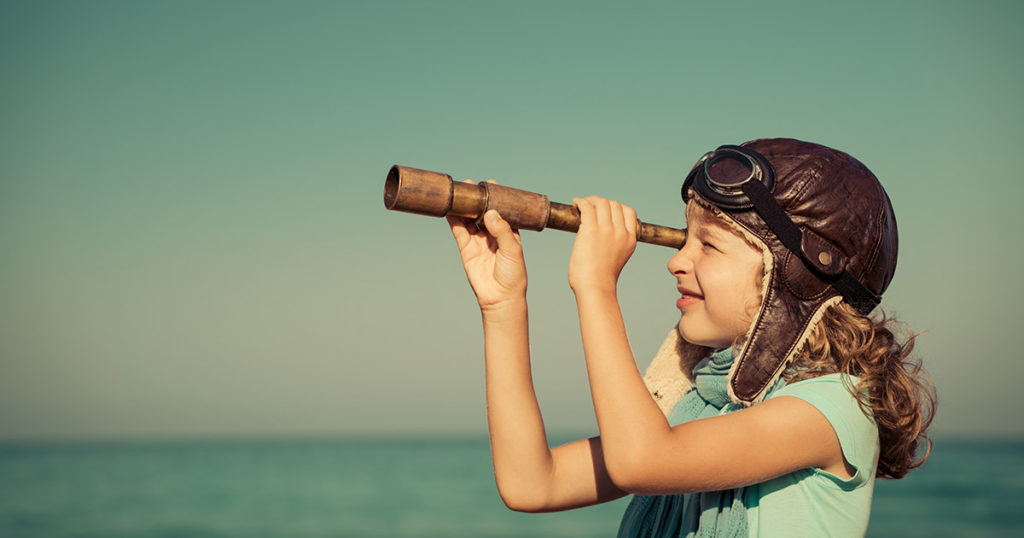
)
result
[(695, 336), (691, 336)]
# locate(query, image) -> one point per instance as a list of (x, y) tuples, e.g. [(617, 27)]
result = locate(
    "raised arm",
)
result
[(530, 476), (644, 454)]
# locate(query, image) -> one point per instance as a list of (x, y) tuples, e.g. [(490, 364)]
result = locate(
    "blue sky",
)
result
[(193, 242)]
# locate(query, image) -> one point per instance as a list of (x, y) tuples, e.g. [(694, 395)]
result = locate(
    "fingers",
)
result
[(508, 239), (462, 228), (615, 211), (630, 220), (594, 211), (602, 212), (586, 209), (493, 231)]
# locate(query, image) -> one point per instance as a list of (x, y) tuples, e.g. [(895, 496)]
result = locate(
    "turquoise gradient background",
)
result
[(193, 242)]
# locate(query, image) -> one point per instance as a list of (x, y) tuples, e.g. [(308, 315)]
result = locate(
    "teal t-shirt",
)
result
[(812, 502)]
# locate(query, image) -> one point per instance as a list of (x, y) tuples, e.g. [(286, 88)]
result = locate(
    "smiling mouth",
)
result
[(687, 293), (688, 299)]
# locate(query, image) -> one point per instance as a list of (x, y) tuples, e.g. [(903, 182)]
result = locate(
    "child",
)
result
[(781, 401)]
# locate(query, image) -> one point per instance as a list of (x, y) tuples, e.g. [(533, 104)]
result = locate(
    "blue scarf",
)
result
[(710, 513)]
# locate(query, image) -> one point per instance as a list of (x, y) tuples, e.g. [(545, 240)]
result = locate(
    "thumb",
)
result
[(502, 232)]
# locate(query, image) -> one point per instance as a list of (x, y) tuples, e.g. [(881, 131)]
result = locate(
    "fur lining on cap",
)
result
[(670, 374)]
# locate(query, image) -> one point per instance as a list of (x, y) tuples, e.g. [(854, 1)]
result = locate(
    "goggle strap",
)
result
[(853, 291), (791, 237), (773, 215)]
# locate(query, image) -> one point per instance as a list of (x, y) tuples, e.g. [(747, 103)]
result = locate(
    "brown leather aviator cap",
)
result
[(838, 242)]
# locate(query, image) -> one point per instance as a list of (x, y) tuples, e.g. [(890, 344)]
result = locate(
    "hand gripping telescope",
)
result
[(435, 194)]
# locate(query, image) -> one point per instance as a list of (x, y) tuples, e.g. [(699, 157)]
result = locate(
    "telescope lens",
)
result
[(391, 188)]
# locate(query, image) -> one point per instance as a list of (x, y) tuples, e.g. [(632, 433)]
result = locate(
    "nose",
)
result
[(681, 262)]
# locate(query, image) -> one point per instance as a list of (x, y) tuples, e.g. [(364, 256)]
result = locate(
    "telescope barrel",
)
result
[(435, 194)]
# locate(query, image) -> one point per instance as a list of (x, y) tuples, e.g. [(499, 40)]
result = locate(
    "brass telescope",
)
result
[(435, 194)]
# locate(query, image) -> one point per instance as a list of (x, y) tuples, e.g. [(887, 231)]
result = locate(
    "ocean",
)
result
[(403, 488)]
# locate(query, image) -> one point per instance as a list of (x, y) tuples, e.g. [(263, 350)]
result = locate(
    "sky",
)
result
[(193, 241)]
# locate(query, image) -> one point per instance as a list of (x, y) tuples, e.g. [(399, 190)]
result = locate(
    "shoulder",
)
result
[(831, 393), (833, 396)]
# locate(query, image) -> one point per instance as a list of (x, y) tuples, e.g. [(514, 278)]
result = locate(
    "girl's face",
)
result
[(719, 279)]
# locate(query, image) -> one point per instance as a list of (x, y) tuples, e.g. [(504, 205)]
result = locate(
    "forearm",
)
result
[(628, 418), (519, 446)]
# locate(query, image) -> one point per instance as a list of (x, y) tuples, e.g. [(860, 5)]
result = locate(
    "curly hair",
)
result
[(892, 387)]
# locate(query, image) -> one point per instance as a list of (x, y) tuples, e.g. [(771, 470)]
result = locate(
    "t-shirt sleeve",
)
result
[(857, 431)]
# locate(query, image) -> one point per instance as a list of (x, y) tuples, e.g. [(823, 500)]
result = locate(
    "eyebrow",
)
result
[(713, 229), (711, 226)]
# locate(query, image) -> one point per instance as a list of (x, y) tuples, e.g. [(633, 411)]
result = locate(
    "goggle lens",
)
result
[(723, 176), (729, 170)]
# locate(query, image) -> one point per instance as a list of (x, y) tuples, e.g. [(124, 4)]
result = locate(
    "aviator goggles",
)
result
[(738, 179)]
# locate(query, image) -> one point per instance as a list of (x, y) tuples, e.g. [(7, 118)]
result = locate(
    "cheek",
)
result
[(721, 292), (755, 279), (737, 290)]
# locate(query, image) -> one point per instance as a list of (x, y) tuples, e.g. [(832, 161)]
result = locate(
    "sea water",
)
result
[(403, 488)]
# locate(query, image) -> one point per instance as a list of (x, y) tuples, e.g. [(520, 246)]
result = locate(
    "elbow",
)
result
[(521, 500), (643, 475), (625, 464), (521, 505), (626, 472), (642, 472)]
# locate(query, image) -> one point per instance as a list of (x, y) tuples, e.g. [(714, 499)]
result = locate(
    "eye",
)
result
[(708, 245)]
